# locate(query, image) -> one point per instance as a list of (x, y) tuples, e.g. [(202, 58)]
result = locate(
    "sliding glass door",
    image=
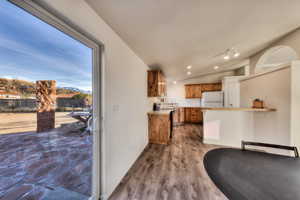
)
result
[(49, 106)]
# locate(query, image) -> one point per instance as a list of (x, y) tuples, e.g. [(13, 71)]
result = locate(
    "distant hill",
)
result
[(74, 90), (70, 89), (27, 89)]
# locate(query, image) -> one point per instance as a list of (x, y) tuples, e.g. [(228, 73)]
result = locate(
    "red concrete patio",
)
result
[(33, 165)]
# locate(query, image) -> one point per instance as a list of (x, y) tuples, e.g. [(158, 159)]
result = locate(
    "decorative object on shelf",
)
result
[(257, 103)]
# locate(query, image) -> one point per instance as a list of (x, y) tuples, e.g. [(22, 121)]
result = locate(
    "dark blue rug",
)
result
[(252, 175)]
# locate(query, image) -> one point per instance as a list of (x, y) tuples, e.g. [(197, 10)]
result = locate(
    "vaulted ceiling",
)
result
[(172, 34)]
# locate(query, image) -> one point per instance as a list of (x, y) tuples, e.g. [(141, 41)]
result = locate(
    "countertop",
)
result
[(242, 109), (167, 112), (188, 107), (161, 112)]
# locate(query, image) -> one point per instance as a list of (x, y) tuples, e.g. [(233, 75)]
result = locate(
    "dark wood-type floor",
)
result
[(172, 172)]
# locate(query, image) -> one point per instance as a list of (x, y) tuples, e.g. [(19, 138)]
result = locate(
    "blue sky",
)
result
[(33, 50)]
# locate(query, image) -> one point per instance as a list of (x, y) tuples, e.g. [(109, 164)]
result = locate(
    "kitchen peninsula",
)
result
[(229, 126)]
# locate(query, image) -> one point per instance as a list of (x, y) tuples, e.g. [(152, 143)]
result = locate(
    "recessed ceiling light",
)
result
[(189, 67), (216, 67), (226, 57), (174, 82), (189, 73), (236, 54)]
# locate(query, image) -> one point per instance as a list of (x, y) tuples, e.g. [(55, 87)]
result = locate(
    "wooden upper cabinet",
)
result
[(162, 84), (212, 87), (157, 86), (217, 86), (193, 91), (188, 91), (207, 87), (196, 90)]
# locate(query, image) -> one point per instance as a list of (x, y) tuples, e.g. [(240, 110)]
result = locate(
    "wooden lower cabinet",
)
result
[(196, 115), (159, 128), (178, 116), (188, 115), (182, 115), (193, 115)]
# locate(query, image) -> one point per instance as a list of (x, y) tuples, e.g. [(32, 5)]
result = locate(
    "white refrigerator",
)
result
[(212, 99)]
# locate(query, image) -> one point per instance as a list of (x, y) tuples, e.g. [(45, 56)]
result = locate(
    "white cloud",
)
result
[(54, 62), (77, 77), (7, 77), (68, 71)]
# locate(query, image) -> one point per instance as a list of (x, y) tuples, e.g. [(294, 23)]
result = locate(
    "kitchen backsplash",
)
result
[(182, 102)]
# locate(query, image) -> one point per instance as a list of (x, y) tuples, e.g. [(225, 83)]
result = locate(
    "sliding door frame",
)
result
[(58, 21)]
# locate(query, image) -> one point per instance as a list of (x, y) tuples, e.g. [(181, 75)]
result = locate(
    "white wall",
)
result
[(227, 127), (126, 104), (178, 90), (295, 104), (275, 89)]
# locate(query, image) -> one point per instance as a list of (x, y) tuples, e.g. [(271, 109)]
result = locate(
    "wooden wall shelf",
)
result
[(242, 109)]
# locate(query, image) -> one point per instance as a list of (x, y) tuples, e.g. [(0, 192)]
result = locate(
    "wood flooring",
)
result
[(171, 172)]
